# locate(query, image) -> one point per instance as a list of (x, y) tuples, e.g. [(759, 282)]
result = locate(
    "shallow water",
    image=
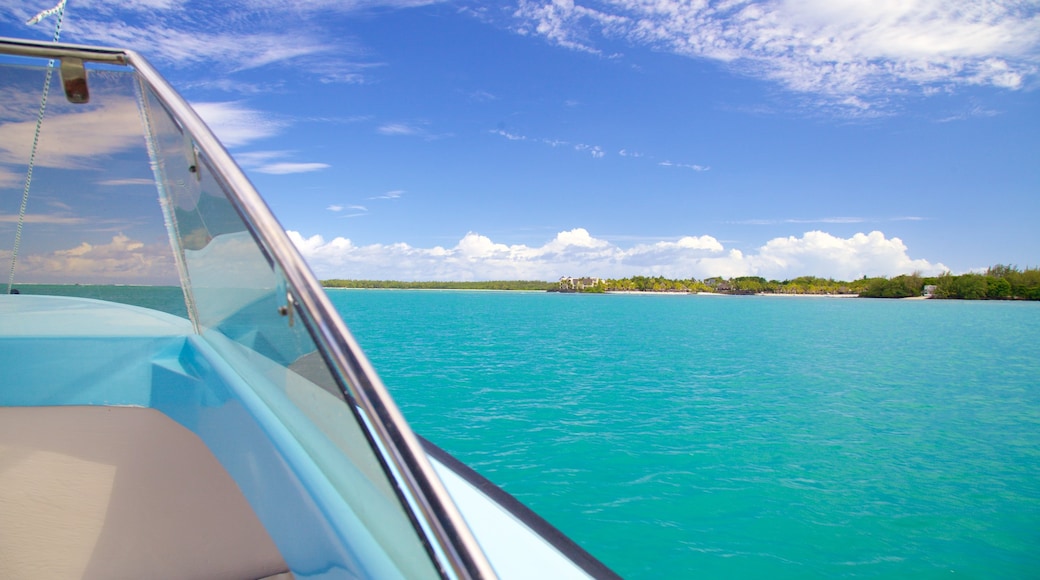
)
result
[(735, 436)]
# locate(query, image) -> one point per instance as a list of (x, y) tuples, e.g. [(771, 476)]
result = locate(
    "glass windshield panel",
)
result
[(122, 207), (242, 309), (92, 225)]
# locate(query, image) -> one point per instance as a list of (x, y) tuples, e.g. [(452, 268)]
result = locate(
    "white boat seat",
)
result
[(121, 492)]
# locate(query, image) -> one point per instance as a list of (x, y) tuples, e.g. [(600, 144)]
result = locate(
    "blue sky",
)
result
[(531, 140)]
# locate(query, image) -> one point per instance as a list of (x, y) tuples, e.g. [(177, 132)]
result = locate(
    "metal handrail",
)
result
[(356, 376)]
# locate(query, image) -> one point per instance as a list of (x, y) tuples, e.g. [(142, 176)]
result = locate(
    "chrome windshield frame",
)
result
[(32, 48), (398, 446)]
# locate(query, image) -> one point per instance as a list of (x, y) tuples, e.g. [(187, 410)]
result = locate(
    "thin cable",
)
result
[(59, 9)]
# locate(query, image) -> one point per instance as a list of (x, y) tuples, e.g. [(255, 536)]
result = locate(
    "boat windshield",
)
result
[(126, 203), (91, 224)]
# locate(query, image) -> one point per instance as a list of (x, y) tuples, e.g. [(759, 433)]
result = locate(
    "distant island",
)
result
[(533, 285), (1000, 282)]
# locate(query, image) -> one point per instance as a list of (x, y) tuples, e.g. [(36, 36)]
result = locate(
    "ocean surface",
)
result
[(678, 436), (735, 437)]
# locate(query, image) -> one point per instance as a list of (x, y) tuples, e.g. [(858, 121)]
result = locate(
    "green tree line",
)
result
[(486, 285), (738, 285), (1000, 282)]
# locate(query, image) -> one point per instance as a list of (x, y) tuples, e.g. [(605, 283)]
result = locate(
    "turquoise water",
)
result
[(736, 436)]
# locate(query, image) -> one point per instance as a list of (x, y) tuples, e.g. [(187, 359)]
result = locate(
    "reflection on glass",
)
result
[(242, 308), (92, 224)]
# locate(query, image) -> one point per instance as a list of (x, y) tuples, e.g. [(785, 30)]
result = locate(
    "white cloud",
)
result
[(223, 35), (182, 47), (823, 220), (285, 168), (482, 97), (227, 37), (595, 150), (508, 135), (70, 139), (692, 166), (554, 20), (576, 252), (122, 260), (236, 125), (390, 194), (127, 181), (410, 130), (141, 5), (9, 178), (41, 218), (827, 220), (845, 259), (352, 210), (270, 162), (320, 6), (398, 129), (847, 51)]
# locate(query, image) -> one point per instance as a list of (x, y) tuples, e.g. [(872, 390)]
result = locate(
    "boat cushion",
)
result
[(120, 492)]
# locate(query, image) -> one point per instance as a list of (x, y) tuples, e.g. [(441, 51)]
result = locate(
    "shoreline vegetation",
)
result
[(1000, 282)]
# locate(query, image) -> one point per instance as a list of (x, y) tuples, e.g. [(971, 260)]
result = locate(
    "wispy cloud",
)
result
[(394, 194), (596, 151), (226, 36), (556, 21), (39, 218), (576, 252), (974, 112), (852, 54), (231, 85), (348, 211), (236, 124), (9, 178), (399, 129), (824, 220), (128, 181), (272, 163), (508, 135), (183, 47), (395, 129), (482, 97), (77, 137), (692, 166), (285, 168), (256, 158), (827, 220), (323, 6), (348, 72)]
